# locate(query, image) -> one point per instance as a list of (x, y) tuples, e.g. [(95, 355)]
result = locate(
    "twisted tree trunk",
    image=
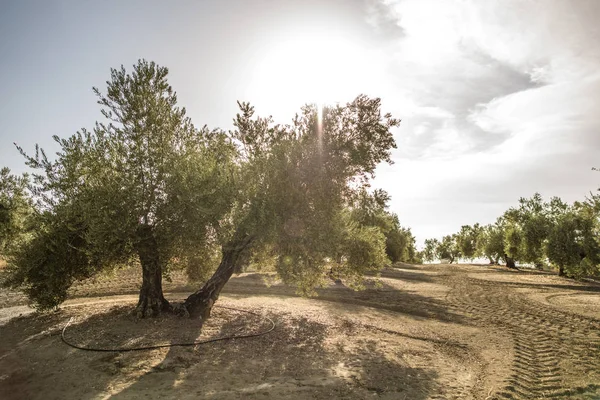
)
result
[(151, 301), (200, 303)]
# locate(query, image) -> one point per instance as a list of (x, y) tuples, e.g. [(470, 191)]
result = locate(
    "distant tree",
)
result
[(512, 244), (490, 242), (573, 244), (372, 209), (527, 229), (466, 240), (429, 252), (400, 244), (448, 248), (528, 226)]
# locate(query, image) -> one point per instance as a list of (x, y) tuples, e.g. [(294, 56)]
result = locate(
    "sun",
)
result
[(306, 67)]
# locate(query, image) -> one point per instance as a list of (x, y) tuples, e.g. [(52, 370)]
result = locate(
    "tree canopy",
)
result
[(297, 196), (145, 185)]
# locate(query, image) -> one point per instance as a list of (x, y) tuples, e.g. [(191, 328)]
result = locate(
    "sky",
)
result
[(498, 99)]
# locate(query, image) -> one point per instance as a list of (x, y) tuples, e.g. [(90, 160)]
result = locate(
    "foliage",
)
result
[(448, 248), (573, 243), (490, 242), (535, 232), (372, 210), (302, 192), (513, 240), (401, 245), (429, 252), (528, 226), (15, 210), (146, 184), (144, 181), (52, 258), (466, 240)]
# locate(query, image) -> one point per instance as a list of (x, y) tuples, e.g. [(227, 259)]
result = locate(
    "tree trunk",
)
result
[(538, 265), (561, 271), (151, 301), (334, 277), (491, 260), (200, 303), (510, 262), (497, 261)]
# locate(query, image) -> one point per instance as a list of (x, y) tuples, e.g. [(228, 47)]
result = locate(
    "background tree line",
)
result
[(545, 234)]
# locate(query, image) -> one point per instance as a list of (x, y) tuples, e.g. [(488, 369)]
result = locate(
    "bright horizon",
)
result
[(498, 100)]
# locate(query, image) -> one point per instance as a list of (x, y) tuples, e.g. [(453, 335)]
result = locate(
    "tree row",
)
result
[(544, 234)]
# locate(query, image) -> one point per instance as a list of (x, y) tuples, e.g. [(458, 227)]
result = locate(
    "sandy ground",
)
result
[(427, 332)]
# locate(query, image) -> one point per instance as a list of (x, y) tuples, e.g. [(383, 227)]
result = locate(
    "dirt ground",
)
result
[(426, 332)]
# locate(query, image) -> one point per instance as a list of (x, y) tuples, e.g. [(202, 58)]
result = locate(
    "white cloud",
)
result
[(505, 97)]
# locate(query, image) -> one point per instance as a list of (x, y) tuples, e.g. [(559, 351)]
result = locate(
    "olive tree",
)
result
[(528, 226), (144, 184), (448, 249), (371, 209), (490, 242), (429, 252), (466, 240), (573, 244), (295, 186)]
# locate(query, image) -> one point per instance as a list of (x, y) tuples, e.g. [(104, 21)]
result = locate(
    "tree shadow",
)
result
[(384, 297), (415, 267), (35, 364), (401, 274), (300, 359)]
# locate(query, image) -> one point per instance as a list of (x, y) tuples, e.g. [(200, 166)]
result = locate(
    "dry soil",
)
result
[(425, 332)]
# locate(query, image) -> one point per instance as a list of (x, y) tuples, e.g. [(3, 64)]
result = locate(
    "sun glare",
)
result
[(310, 68)]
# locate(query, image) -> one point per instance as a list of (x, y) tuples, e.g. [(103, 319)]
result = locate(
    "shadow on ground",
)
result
[(300, 359)]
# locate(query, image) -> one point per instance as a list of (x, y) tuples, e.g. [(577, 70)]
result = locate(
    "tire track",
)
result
[(545, 339)]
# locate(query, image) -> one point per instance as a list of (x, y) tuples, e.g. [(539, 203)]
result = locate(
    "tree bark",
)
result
[(491, 260), (200, 303), (151, 301), (561, 271), (510, 262)]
